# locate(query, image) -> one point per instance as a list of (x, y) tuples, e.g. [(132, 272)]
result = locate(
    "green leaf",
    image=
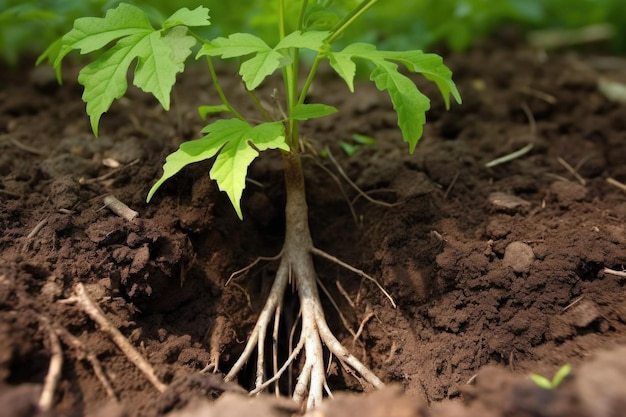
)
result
[(160, 54), (92, 33), (363, 139), (313, 40), (185, 17), (180, 45), (561, 374), (50, 54), (254, 70), (105, 78), (236, 145), (204, 111), (344, 66), (343, 62), (236, 45), (266, 59), (311, 111), (541, 381), (348, 148), (410, 104), (157, 68), (431, 66)]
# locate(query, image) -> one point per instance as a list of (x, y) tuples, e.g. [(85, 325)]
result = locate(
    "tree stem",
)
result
[(297, 234)]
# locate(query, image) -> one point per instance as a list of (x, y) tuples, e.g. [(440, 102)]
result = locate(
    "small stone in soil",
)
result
[(567, 193), (507, 203), (584, 313), (519, 256)]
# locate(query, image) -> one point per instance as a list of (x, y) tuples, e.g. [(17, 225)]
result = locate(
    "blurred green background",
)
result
[(30, 26)]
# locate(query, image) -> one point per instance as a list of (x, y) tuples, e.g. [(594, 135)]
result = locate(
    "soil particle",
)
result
[(238, 405), (519, 256), (389, 402), (601, 383), (508, 203), (566, 193)]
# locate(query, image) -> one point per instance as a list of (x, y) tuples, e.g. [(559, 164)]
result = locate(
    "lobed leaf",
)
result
[(236, 45), (93, 33), (105, 78), (185, 17), (160, 54), (236, 145), (156, 70), (344, 66), (431, 66), (410, 104), (266, 59)]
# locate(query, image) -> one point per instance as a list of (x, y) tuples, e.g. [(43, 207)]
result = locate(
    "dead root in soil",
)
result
[(296, 266), (85, 303)]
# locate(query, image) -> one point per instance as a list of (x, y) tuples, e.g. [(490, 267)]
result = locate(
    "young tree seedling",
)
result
[(236, 141)]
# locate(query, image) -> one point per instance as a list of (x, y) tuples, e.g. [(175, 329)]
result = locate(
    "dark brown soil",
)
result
[(498, 272)]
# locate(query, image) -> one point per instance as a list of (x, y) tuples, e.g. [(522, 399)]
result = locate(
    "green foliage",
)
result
[(232, 139), (545, 383), (160, 54), (126, 35), (410, 104), (419, 25), (265, 59)]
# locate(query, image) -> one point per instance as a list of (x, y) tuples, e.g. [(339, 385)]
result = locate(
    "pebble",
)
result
[(507, 203), (601, 383), (519, 256), (567, 193), (584, 313)]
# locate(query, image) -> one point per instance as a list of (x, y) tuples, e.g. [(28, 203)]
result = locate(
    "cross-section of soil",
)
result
[(499, 267)]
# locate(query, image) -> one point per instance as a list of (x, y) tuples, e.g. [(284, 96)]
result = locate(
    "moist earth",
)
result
[(498, 271)]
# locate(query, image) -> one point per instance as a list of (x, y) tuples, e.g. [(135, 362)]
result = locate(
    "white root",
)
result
[(296, 265), (315, 333)]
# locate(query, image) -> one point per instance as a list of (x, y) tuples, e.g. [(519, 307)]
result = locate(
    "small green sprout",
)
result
[(560, 375)]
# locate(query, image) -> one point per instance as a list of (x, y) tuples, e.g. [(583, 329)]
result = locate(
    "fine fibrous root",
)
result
[(82, 299), (46, 399), (315, 331), (296, 266), (83, 353)]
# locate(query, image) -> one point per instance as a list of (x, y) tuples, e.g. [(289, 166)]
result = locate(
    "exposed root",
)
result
[(46, 400), (314, 334), (355, 270), (82, 299), (296, 266)]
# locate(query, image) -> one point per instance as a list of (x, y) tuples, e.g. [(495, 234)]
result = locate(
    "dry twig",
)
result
[(83, 353), (53, 377), (571, 170), (119, 208), (82, 299), (616, 183)]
